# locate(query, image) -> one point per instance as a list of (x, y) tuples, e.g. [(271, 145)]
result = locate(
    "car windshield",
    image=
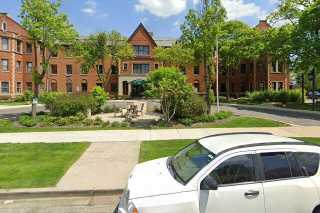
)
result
[(189, 161)]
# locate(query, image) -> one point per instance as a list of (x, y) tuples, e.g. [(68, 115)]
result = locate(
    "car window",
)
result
[(275, 165), (309, 162), (294, 166), (237, 169)]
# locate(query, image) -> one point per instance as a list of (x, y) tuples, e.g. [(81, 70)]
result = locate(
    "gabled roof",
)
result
[(165, 42), (142, 27)]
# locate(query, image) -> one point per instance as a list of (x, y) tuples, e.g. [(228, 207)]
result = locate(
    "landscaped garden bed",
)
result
[(36, 165)]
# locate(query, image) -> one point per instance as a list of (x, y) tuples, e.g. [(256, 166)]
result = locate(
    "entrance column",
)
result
[(120, 88), (129, 88)]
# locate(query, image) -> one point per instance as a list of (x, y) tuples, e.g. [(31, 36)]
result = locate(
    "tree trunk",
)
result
[(36, 85), (228, 83), (302, 88), (208, 86)]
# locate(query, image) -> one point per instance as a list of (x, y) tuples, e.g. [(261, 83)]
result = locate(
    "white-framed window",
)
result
[(4, 87), (69, 86), (277, 85), (4, 26), (28, 48), (19, 46), (5, 65), (141, 68), (19, 87), (5, 43), (29, 66), (54, 69), (277, 67), (18, 66)]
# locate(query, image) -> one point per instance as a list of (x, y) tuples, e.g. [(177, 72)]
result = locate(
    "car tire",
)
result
[(316, 210)]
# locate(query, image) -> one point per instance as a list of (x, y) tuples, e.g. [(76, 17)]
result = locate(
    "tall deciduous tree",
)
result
[(175, 56), (50, 30), (101, 47), (238, 42), (200, 32)]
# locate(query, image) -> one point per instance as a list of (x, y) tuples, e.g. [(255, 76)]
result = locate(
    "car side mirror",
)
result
[(209, 183)]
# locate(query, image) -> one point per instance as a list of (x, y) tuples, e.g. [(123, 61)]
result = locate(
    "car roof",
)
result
[(222, 142)]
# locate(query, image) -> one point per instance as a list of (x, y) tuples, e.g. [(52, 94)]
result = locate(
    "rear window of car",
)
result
[(275, 165), (308, 162)]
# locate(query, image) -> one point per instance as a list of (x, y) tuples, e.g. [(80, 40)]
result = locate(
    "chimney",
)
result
[(3, 14)]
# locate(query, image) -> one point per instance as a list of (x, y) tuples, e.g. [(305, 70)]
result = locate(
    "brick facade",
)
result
[(65, 74)]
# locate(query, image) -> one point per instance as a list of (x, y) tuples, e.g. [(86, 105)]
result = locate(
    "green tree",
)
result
[(170, 86), (48, 29), (238, 42), (175, 56), (101, 47), (200, 31)]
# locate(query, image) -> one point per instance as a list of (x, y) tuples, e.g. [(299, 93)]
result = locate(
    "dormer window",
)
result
[(4, 26)]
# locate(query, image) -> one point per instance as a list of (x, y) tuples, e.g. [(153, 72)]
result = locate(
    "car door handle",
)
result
[(251, 193)]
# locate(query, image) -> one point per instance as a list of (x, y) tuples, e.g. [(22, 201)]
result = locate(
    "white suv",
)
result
[(229, 173)]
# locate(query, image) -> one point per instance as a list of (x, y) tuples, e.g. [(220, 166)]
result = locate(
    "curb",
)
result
[(50, 194)]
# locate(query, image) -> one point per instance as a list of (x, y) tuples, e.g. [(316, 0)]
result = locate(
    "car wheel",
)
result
[(317, 210)]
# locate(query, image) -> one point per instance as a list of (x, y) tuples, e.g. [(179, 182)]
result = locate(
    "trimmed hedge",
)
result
[(206, 118), (284, 97)]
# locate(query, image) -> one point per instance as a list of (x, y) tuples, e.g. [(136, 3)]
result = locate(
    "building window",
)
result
[(84, 86), (29, 67), (125, 66), (69, 86), (114, 70), (53, 86), (19, 46), (100, 69), (29, 86), (261, 86), (5, 65), (18, 66), (4, 26), (243, 68), (196, 70), (54, 69), (277, 85), (196, 86), (114, 88), (29, 48), (277, 67), (141, 68), (5, 87), (5, 44), (141, 50), (69, 69), (99, 84), (19, 87), (156, 66)]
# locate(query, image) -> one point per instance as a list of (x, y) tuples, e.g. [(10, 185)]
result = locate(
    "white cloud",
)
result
[(90, 8), (161, 8), (238, 9)]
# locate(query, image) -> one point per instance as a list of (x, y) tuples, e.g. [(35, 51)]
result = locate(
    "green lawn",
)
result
[(306, 106), (245, 122), (151, 150), (36, 165), (56, 129)]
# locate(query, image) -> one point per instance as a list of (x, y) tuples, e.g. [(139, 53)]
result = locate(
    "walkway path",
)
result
[(105, 136)]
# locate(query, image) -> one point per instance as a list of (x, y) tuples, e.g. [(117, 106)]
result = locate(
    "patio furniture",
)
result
[(141, 110)]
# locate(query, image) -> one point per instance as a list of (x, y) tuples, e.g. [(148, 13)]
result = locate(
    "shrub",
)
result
[(205, 118), (124, 124), (98, 121), (282, 96), (108, 109), (62, 121), (223, 115), (116, 124), (48, 98), (186, 121), (192, 107), (27, 96), (105, 124), (88, 122), (100, 96), (28, 121), (66, 105)]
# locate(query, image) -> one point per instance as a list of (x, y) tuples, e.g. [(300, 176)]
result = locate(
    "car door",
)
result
[(237, 190), (286, 188)]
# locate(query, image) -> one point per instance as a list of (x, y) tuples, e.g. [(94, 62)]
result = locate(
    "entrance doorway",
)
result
[(138, 88)]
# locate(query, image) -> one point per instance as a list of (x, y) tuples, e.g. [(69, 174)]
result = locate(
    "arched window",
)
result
[(4, 26), (84, 86), (69, 86), (54, 86)]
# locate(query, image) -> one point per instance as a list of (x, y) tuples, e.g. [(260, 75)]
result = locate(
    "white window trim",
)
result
[(8, 67), (277, 85), (20, 87), (2, 38), (4, 29)]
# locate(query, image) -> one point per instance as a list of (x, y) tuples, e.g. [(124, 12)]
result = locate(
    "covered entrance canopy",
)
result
[(138, 87)]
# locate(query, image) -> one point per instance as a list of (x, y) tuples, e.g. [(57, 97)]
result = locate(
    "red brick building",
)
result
[(17, 61)]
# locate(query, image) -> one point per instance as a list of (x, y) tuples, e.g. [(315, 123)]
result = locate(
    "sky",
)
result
[(162, 17)]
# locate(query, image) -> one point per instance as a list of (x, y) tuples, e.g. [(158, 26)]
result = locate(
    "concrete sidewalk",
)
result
[(103, 169), (105, 136)]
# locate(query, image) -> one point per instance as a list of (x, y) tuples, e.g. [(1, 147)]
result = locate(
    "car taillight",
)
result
[(135, 210)]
